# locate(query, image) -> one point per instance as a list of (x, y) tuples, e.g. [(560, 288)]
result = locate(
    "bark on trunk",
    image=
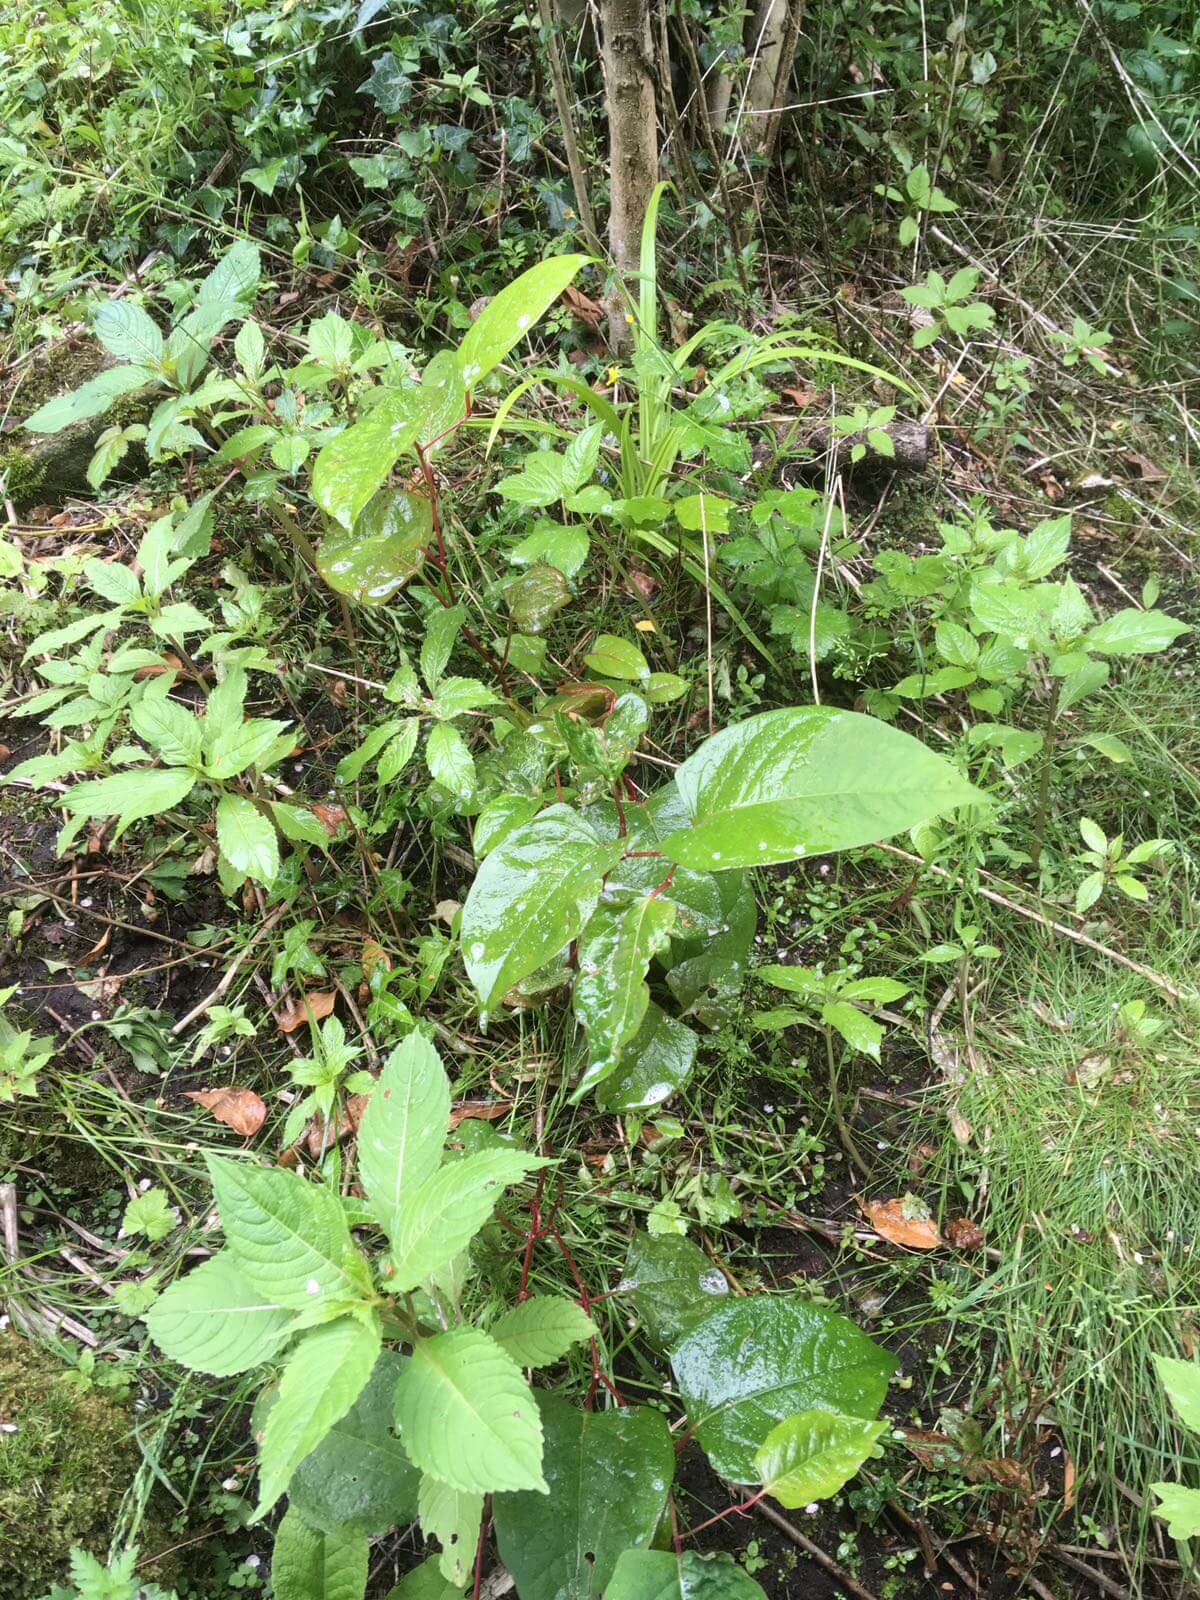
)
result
[(633, 141), (764, 44)]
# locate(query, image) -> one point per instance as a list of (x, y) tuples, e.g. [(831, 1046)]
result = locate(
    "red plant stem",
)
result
[(622, 825), (479, 1549), (746, 1505), (655, 892), (535, 1233), (633, 855), (585, 1300)]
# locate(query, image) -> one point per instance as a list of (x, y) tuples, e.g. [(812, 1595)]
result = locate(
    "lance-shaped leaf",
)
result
[(467, 1416), (129, 796), (608, 1473), (611, 993), (757, 1360), (436, 1220), (307, 1564), (327, 1372), (214, 1320), (811, 1455), (247, 838), (91, 399), (452, 1517), (352, 466), (660, 1575), (403, 1129), (530, 898), (542, 1329), (509, 316), (804, 781)]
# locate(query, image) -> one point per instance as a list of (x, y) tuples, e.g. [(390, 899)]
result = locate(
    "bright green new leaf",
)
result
[(811, 1455), (756, 1361), (1180, 1508), (467, 1416), (860, 1032), (804, 781), (540, 1330), (608, 1474), (611, 994), (309, 1565), (530, 898), (247, 838), (403, 1129), (440, 1217), (148, 1213), (703, 513), (449, 760), (1181, 1380), (171, 730), (325, 1375), (452, 1517), (661, 1575), (215, 1320), (509, 316), (1135, 633)]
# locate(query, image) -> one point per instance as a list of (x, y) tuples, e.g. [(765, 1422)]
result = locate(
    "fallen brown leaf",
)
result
[(1149, 471), (960, 1233), (479, 1111), (319, 1003), (316, 1137), (167, 664), (239, 1109), (582, 306), (331, 818), (800, 398), (888, 1219)]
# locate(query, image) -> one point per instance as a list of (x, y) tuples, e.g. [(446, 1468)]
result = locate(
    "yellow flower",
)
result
[(614, 374)]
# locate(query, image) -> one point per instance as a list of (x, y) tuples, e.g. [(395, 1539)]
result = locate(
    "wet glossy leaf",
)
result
[(530, 898), (384, 550), (889, 1219), (755, 1361), (660, 1575), (608, 1473), (811, 1455), (510, 315), (359, 1478), (611, 993), (536, 596), (352, 466), (804, 781), (672, 1283), (613, 657), (656, 1062), (564, 548)]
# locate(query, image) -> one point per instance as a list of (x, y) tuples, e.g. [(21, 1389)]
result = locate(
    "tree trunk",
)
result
[(764, 45), (717, 92), (633, 142)]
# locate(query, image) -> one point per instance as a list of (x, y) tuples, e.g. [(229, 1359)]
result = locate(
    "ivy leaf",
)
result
[(150, 1213), (436, 1220), (811, 1455), (403, 1129), (608, 1474), (805, 1356), (467, 1416), (247, 838), (660, 1575), (673, 1285), (509, 316), (214, 1320), (530, 898), (325, 1375), (611, 993), (309, 1565), (288, 1236), (804, 781), (540, 1330), (452, 1517)]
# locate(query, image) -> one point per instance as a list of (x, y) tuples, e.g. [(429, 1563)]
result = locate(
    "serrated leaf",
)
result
[(440, 1217), (325, 1375), (467, 1416), (449, 760), (91, 399), (310, 1565), (289, 1237), (510, 315), (215, 1320), (403, 1130), (530, 898), (812, 1455), (234, 278), (171, 730), (660, 1575), (452, 1517), (129, 796), (611, 994), (673, 1285), (127, 332), (540, 1330), (1180, 1508), (805, 781), (247, 838), (608, 1474), (805, 1357)]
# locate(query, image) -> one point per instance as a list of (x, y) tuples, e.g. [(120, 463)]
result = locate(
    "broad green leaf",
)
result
[(352, 466), (539, 483), (656, 1062), (1181, 1380), (247, 838), (608, 1473), (112, 581), (563, 547), (427, 1582), (509, 316), (127, 332), (703, 513), (613, 657), (289, 1237), (660, 1575), (441, 634), (234, 278), (611, 993), (811, 1455), (449, 760), (530, 898), (499, 818), (129, 796), (350, 766), (1135, 633), (359, 1479), (467, 1416), (91, 399), (325, 1375), (441, 1216), (756, 1361), (536, 596), (540, 1330), (452, 1517), (860, 1032), (171, 730), (254, 742), (309, 1565), (1110, 747), (1180, 1509), (1046, 546), (805, 781), (214, 1320), (672, 1283), (403, 1129), (385, 548)]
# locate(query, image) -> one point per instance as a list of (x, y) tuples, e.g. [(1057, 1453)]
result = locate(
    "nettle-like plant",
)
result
[(1178, 1505), (392, 1406)]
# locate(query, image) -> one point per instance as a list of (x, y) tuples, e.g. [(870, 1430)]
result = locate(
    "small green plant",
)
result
[(921, 197), (949, 305), (116, 1580), (1083, 343), (22, 1056), (1113, 866), (1179, 1506), (871, 423)]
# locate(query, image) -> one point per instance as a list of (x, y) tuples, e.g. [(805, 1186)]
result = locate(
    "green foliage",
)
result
[(1178, 1506)]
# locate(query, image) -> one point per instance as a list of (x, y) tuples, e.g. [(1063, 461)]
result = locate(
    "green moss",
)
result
[(64, 1468), (22, 473)]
